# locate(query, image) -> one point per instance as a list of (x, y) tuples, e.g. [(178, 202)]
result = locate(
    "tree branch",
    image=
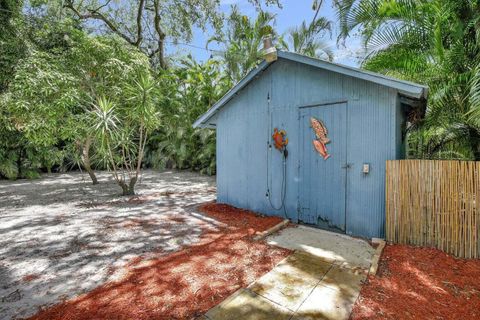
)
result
[(135, 38), (104, 5), (319, 5), (97, 15), (161, 34), (141, 5), (153, 53)]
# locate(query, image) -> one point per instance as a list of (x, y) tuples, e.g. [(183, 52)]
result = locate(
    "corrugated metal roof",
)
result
[(406, 88)]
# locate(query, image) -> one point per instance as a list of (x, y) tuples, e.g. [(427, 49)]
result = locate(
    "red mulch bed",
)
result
[(184, 284), (420, 283)]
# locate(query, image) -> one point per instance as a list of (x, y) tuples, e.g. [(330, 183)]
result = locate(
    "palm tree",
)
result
[(187, 91), (242, 42), (308, 40), (435, 42)]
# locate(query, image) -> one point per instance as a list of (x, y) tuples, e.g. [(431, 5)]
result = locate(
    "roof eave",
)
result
[(407, 88)]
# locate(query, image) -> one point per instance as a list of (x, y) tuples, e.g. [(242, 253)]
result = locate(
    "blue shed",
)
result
[(364, 115)]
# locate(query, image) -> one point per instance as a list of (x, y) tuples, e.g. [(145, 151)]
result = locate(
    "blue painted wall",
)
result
[(247, 167)]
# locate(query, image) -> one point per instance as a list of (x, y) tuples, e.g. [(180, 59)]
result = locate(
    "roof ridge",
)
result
[(407, 88)]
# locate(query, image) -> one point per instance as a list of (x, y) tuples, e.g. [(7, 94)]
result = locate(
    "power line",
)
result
[(169, 42), (194, 46), (203, 48)]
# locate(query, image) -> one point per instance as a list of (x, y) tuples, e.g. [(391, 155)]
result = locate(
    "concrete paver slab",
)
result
[(321, 280), (326, 303), (302, 257), (344, 279), (304, 265), (247, 305), (331, 247), (291, 281)]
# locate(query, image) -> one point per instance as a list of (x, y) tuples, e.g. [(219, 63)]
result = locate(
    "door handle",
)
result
[(347, 166)]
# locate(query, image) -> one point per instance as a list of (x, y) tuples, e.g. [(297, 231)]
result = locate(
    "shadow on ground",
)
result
[(184, 284), (60, 236)]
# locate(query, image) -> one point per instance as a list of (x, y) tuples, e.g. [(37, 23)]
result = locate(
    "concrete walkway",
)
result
[(320, 280)]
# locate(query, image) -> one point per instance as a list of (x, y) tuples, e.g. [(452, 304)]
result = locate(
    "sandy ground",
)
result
[(186, 283), (60, 236)]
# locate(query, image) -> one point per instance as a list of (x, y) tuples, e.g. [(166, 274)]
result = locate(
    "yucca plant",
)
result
[(121, 130)]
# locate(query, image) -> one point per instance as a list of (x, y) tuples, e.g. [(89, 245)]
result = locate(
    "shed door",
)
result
[(322, 188)]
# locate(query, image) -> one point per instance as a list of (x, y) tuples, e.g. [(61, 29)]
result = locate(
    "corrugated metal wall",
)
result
[(247, 167), (322, 192)]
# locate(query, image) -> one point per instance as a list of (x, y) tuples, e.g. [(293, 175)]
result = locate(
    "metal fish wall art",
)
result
[(322, 140)]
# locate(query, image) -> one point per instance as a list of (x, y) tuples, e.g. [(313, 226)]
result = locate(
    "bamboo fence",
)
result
[(434, 203)]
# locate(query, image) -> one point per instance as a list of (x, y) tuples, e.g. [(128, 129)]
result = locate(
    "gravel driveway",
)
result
[(60, 236)]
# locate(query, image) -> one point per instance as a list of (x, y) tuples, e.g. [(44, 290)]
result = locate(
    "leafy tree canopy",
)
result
[(145, 24), (241, 41), (434, 42)]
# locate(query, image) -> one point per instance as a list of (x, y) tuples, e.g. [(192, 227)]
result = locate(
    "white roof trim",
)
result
[(406, 88)]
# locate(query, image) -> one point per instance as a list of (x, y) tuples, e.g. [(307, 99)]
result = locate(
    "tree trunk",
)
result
[(86, 160), (132, 183), (161, 52), (161, 35), (128, 189), (475, 142), (19, 162)]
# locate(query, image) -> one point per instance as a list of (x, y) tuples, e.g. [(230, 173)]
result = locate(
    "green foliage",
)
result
[(8, 164), (12, 46), (55, 86), (68, 79), (187, 92), (145, 24), (122, 128), (308, 39), (79, 84), (242, 42), (433, 42)]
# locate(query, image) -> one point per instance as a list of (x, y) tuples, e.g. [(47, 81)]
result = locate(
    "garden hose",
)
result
[(284, 186)]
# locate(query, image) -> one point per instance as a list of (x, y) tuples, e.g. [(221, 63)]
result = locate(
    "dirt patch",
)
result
[(30, 277), (145, 224), (420, 283), (184, 284)]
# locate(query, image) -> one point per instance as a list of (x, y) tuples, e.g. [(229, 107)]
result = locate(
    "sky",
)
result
[(292, 14)]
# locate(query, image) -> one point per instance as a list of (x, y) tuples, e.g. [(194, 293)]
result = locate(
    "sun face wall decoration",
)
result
[(321, 133)]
